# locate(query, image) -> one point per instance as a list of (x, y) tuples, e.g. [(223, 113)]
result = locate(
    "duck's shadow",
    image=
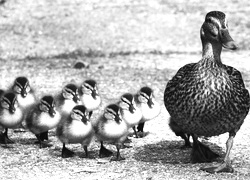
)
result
[(170, 152)]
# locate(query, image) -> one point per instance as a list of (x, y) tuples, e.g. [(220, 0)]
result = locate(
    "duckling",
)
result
[(68, 98), (131, 114), (11, 115), (150, 108), (209, 98), (42, 117), (25, 96), (89, 95), (75, 128), (110, 127)]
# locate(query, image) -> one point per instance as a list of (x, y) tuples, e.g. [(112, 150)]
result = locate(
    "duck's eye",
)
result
[(17, 89), (44, 108), (67, 95), (5, 104), (209, 20)]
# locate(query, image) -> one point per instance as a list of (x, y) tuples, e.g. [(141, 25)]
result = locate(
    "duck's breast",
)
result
[(90, 103), (9, 120), (27, 101)]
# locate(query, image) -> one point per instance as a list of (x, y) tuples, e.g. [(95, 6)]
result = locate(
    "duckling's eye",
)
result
[(124, 105), (209, 20), (5, 105), (67, 95), (142, 99), (17, 89), (86, 89), (108, 115), (76, 116), (44, 108)]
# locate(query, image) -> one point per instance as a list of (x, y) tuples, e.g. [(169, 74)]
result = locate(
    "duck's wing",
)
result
[(172, 85), (239, 87)]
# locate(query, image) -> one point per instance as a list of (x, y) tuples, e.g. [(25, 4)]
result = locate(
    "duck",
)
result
[(68, 98), (75, 128), (89, 95), (131, 114), (26, 96), (111, 128), (11, 115), (42, 117), (149, 107), (209, 98)]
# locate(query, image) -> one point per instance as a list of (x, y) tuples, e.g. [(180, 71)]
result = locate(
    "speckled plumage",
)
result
[(209, 98)]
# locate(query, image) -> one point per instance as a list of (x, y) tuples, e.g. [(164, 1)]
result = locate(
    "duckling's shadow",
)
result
[(169, 152)]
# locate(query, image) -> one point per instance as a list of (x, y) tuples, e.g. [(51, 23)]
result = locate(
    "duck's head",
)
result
[(112, 112), (79, 113), (21, 86), (146, 96), (70, 91), (47, 105), (9, 102), (127, 102), (90, 87), (215, 30)]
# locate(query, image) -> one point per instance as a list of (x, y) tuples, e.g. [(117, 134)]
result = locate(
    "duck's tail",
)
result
[(201, 153)]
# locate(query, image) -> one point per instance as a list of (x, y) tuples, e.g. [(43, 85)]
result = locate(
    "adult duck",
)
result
[(209, 98)]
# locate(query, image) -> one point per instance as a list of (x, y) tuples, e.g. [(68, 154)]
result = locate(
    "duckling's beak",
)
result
[(24, 93), (131, 108), (94, 94), (12, 110), (52, 112), (150, 103), (118, 119), (227, 40), (76, 98), (84, 119)]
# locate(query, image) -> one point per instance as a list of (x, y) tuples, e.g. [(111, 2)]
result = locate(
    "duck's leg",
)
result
[(66, 152), (85, 147), (44, 136), (39, 140), (185, 137), (104, 152), (140, 127), (136, 135), (4, 139), (226, 165), (118, 155), (201, 153)]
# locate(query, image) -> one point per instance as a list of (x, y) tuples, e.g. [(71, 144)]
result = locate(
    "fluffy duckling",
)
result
[(68, 98), (89, 95), (42, 117), (75, 128), (131, 114), (209, 98), (111, 128), (149, 107), (11, 115), (25, 95)]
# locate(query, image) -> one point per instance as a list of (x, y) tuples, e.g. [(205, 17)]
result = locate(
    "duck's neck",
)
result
[(211, 52)]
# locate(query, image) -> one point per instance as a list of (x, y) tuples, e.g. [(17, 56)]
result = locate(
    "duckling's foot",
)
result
[(202, 153), (4, 139), (142, 134), (66, 153), (44, 136), (19, 130), (224, 167), (104, 152), (117, 158)]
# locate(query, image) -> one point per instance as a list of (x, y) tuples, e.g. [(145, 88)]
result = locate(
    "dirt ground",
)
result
[(126, 44)]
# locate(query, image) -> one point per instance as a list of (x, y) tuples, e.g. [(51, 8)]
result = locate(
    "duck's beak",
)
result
[(132, 108), (52, 112), (227, 40), (76, 98)]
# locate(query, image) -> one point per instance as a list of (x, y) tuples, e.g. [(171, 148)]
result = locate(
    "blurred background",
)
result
[(48, 28)]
